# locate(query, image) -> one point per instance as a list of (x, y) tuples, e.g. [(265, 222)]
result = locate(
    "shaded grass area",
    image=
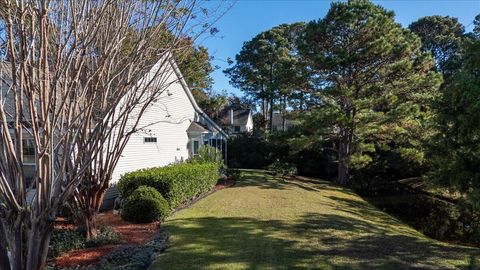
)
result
[(267, 223)]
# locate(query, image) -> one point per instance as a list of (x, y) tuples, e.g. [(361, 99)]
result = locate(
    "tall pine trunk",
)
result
[(343, 155), (271, 115)]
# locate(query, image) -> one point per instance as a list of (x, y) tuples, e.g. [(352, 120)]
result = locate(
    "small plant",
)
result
[(145, 205), (283, 168), (106, 236), (64, 240)]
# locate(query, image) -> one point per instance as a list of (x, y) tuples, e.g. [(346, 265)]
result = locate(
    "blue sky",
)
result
[(250, 17)]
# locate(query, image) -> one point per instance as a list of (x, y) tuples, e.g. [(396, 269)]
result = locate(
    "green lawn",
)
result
[(266, 223)]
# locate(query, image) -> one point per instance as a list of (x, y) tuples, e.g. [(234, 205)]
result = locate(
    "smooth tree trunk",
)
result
[(38, 241), (88, 202)]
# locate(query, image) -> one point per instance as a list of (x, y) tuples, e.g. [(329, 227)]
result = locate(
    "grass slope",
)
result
[(267, 223)]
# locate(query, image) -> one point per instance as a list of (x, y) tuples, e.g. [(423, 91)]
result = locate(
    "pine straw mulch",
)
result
[(129, 233)]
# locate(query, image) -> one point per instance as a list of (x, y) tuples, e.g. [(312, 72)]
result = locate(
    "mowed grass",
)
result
[(264, 222)]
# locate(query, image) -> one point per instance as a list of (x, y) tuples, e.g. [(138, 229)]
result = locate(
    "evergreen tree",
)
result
[(456, 149), (442, 36), (374, 83), (266, 67)]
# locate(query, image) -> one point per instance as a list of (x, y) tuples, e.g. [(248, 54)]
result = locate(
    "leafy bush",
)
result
[(246, 151), (145, 205), (208, 154), (283, 168), (64, 240), (132, 257), (177, 183), (106, 236)]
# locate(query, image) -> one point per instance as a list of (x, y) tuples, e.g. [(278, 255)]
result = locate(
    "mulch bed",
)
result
[(129, 233)]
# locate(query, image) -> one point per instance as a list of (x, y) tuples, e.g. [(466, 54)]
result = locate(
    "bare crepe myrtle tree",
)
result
[(66, 80), (120, 124)]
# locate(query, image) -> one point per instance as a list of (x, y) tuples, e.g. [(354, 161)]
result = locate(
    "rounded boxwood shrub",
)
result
[(145, 205)]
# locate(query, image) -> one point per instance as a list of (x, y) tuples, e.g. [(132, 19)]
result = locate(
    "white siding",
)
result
[(249, 125), (167, 120)]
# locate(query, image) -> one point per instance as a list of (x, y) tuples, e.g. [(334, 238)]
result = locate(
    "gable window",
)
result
[(150, 139)]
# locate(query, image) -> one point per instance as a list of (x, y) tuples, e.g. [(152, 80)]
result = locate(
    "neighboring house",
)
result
[(278, 124), (176, 128), (236, 121)]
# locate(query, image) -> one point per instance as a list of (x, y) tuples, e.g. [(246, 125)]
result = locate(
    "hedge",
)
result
[(177, 183)]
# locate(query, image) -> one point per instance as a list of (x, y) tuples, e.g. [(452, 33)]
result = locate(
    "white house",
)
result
[(236, 120), (176, 128)]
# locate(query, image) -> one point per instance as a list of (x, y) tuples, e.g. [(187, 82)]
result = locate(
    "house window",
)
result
[(237, 128), (150, 139), (28, 151), (196, 145)]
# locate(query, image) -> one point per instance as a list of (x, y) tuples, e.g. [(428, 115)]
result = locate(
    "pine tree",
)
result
[(374, 83)]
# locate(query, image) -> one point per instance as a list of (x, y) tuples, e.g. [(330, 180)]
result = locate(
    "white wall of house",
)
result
[(166, 120)]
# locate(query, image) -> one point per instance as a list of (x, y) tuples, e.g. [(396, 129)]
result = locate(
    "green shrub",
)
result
[(145, 205), (177, 183), (64, 240), (283, 168), (106, 236), (208, 154)]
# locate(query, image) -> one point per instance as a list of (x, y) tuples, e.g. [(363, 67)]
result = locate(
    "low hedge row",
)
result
[(177, 183)]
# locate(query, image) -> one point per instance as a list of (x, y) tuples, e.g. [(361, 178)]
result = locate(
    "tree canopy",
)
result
[(373, 80)]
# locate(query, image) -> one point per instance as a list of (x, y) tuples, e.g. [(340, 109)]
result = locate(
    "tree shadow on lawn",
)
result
[(314, 242), (267, 180), (349, 234)]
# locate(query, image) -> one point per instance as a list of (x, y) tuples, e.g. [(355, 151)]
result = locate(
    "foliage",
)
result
[(106, 236), (455, 153), (145, 205), (268, 70), (283, 168), (247, 151), (132, 257), (208, 154), (194, 62), (442, 36), (177, 183), (374, 84), (64, 240)]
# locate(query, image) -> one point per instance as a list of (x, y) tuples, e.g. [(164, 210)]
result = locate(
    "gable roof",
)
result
[(196, 127), (192, 99), (240, 116)]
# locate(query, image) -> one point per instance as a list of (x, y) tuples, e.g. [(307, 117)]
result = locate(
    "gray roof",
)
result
[(196, 127), (240, 117)]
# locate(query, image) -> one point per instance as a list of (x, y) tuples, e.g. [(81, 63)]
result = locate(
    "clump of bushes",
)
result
[(64, 240), (176, 183), (145, 205), (106, 236), (283, 168)]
